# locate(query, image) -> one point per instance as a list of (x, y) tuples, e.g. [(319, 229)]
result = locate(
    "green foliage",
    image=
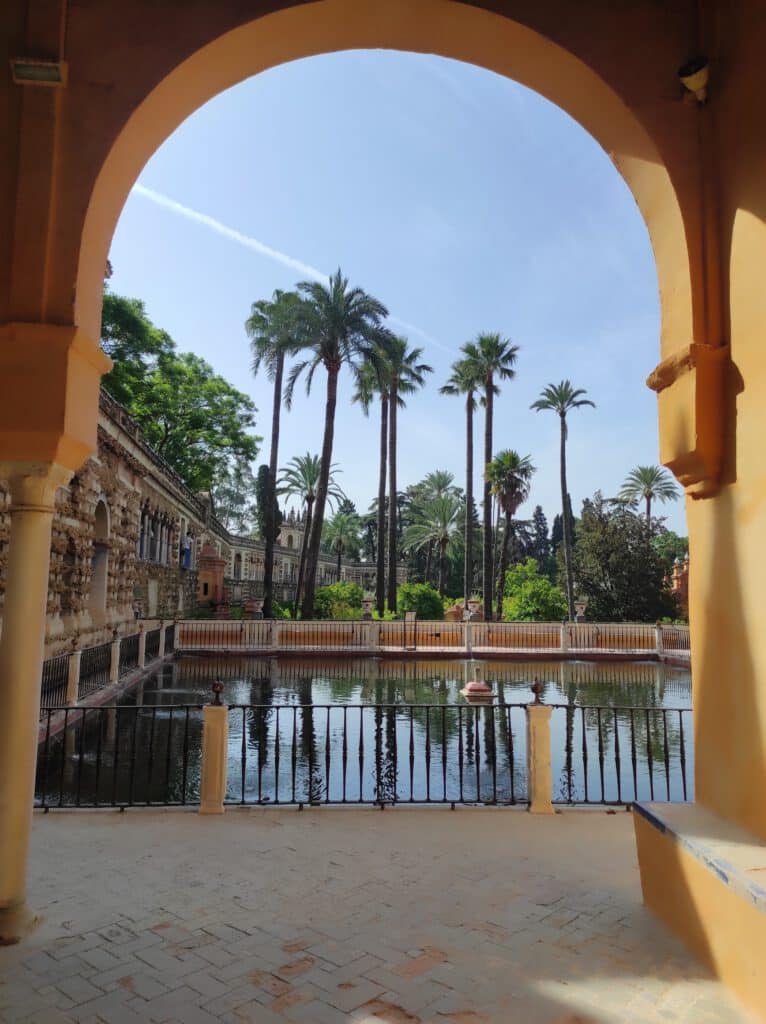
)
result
[(338, 601), (670, 546), (234, 494), (530, 596), (420, 598), (617, 567), (268, 517), (281, 611), (190, 415)]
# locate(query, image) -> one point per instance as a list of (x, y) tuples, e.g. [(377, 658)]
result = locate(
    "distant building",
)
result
[(127, 539)]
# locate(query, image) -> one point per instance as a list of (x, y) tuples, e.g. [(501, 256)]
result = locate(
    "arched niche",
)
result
[(99, 564)]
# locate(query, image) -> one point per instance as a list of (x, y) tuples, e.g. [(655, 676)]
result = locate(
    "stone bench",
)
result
[(706, 878)]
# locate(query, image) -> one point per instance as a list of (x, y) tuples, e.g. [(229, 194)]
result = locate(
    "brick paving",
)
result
[(324, 916)]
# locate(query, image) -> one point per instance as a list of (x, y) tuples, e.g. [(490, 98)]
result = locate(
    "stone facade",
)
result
[(127, 538)]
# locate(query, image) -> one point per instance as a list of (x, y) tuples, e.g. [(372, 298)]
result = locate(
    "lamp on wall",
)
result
[(694, 76), (34, 71)]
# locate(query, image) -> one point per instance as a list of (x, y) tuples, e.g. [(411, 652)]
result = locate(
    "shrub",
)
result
[(420, 598), (531, 597), (338, 601)]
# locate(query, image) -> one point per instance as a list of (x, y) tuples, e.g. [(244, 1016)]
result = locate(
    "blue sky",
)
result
[(459, 198)]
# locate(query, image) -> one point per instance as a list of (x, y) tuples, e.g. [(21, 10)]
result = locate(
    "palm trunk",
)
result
[(392, 499), (566, 525), (468, 565), (503, 566), (340, 551), (648, 508), (496, 550), (429, 559), (442, 567), (380, 560), (312, 555), (487, 560), (271, 518), (307, 520)]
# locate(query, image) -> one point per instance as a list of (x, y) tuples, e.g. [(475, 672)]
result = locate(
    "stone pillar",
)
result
[(114, 664), (32, 489), (564, 636), (468, 638), (540, 781), (275, 634), (161, 650), (73, 676), (215, 748), (658, 639), (141, 646)]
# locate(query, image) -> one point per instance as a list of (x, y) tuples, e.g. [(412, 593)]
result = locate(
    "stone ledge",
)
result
[(730, 852)]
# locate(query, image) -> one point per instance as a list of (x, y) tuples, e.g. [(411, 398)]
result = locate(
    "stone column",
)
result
[(32, 488), (540, 781), (141, 646), (114, 664), (215, 748), (564, 636), (73, 674), (658, 639)]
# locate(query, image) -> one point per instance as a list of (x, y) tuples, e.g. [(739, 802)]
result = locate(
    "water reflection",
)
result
[(296, 734)]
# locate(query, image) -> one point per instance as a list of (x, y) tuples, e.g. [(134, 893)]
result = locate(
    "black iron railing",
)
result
[(128, 653), (616, 755), (152, 644), (54, 685), (94, 669), (120, 757), (377, 754)]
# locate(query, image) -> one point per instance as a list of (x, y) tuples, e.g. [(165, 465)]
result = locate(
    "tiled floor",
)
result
[(401, 916)]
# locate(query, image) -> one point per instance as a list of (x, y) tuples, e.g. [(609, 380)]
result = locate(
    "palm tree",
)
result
[(562, 398), (341, 533), (509, 475), (405, 376), (491, 358), (649, 482), (433, 485), (269, 330), (463, 381), (300, 479), (337, 325), (437, 524), (371, 382)]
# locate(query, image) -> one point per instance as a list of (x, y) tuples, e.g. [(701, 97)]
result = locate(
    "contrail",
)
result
[(260, 247)]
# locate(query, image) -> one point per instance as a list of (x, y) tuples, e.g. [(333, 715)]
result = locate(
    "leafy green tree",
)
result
[(235, 498), (134, 344), (530, 596), (195, 420), (267, 513), (336, 325), (510, 477), (342, 600), (422, 599), (405, 376), (341, 535), (541, 542), (647, 483), (491, 358), (270, 330), (670, 547), (436, 524), (562, 398), (618, 568), (464, 381), (300, 480)]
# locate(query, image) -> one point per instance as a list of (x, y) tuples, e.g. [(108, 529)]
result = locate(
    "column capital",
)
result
[(33, 485)]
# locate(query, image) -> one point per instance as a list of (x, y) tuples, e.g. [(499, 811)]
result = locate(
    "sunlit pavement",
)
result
[(356, 915)]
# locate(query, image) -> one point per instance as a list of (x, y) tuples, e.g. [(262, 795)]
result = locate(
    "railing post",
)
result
[(565, 636), (161, 648), (539, 778), (73, 671), (468, 638), (275, 634), (373, 636), (141, 645), (215, 748), (658, 639), (114, 663)]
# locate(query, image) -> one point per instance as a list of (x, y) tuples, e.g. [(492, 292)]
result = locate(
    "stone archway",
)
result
[(99, 578)]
